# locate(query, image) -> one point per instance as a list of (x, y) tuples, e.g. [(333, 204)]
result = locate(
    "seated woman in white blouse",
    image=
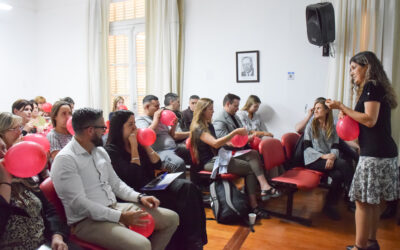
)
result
[(252, 121)]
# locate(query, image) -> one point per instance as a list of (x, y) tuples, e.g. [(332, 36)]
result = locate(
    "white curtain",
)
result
[(164, 47), (365, 25), (98, 58)]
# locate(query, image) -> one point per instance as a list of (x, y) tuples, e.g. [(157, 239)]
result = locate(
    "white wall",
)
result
[(17, 53), (43, 51), (216, 29), (62, 45)]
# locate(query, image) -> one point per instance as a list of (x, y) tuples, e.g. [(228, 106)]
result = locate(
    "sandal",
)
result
[(261, 213), (270, 193), (356, 247)]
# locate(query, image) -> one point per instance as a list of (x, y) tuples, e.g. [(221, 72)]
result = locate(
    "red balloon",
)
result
[(347, 129), (167, 117), (69, 126), (239, 140), (108, 127), (146, 230), (46, 107), (25, 159), (146, 136), (255, 143), (122, 107), (39, 139)]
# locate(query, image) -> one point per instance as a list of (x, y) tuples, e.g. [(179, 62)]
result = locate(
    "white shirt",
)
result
[(254, 124), (87, 184)]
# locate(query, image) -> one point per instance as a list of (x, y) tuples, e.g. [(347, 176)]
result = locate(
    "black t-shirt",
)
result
[(376, 141), (206, 152), (132, 174)]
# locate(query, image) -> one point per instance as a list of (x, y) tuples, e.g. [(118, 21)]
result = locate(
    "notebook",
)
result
[(161, 182)]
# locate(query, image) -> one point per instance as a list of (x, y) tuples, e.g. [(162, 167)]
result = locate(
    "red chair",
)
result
[(47, 188), (197, 174), (289, 141), (290, 181)]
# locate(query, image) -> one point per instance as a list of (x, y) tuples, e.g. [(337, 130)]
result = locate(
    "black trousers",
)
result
[(341, 174), (183, 197)]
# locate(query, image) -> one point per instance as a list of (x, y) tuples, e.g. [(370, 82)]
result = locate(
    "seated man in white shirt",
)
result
[(87, 185), (173, 158)]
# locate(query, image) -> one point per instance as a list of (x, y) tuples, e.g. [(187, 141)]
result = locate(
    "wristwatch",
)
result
[(140, 198)]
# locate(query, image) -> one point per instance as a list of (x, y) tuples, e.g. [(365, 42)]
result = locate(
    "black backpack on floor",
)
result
[(229, 205)]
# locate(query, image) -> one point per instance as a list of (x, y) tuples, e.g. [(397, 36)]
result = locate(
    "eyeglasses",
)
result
[(19, 128), (104, 128)]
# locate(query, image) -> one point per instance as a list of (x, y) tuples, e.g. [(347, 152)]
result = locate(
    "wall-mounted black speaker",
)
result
[(320, 20)]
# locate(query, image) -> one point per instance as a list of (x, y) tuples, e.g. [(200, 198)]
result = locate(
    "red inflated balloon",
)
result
[(69, 126), (239, 140), (108, 127), (255, 143), (39, 139), (146, 136), (347, 129), (25, 159), (46, 107), (167, 117), (122, 107), (146, 230)]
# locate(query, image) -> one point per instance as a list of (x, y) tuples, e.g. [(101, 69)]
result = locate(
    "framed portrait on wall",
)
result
[(247, 66)]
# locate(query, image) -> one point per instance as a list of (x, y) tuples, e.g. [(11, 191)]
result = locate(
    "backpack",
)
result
[(229, 205)]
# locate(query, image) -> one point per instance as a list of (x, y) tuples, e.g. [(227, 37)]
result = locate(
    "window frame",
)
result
[(130, 28)]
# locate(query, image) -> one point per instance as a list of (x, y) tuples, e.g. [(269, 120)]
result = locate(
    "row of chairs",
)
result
[(275, 153)]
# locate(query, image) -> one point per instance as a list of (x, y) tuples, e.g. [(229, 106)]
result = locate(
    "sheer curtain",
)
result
[(164, 46), (97, 60), (365, 25)]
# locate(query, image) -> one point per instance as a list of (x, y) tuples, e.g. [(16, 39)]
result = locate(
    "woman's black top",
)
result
[(132, 174), (206, 152), (376, 141)]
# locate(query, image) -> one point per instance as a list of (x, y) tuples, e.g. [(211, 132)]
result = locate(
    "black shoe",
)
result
[(355, 246), (261, 213), (332, 212), (389, 212), (373, 245)]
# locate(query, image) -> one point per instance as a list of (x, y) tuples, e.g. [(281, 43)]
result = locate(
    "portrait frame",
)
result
[(248, 66)]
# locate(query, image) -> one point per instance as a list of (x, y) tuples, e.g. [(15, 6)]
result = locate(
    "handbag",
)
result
[(229, 205)]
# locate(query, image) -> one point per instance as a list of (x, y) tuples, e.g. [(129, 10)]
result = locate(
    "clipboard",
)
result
[(161, 182)]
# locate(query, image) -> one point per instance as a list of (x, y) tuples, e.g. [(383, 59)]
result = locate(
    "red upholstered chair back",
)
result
[(192, 155), (289, 141), (272, 151), (47, 188)]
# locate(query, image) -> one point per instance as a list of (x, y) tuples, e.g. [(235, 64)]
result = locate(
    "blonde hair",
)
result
[(115, 102), (328, 120), (199, 123), (253, 99), (8, 121), (40, 99)]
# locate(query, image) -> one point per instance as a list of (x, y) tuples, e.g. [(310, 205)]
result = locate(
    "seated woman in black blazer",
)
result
[(135, 165)]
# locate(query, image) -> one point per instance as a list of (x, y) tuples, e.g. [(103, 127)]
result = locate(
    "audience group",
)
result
[(99, 177)]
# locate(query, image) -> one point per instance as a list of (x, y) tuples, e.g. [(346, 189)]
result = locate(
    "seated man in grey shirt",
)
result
[(174, 159), (88, 187)]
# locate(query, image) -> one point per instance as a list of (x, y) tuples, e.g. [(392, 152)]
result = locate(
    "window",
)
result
[(126, 47)]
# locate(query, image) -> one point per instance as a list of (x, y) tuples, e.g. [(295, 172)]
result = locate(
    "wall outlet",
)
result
[(290, 76)]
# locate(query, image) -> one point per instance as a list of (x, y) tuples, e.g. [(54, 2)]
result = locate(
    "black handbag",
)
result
[(229, 205)]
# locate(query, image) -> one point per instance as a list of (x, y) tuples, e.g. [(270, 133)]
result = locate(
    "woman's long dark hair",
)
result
[(115, 134), (375, 74)]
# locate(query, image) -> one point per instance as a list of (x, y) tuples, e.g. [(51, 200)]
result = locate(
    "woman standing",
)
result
[(252, 121), (377, 174)]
